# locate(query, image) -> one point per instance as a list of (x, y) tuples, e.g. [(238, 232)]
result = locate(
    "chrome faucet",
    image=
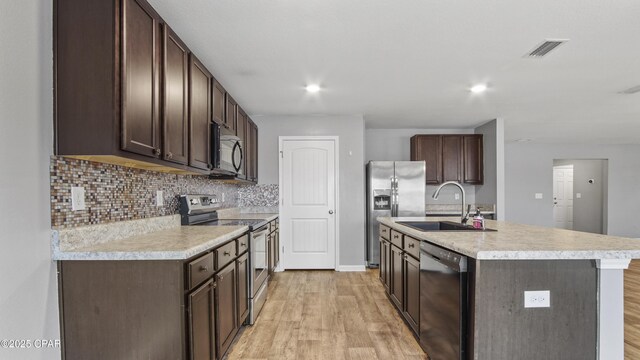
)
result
[(464, 217)]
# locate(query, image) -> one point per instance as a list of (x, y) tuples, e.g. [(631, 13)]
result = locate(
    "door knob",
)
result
[(330, 211)]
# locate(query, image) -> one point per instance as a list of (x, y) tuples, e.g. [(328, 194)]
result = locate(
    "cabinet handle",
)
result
[(157, 152), (220, 277), (411, 245), (226, 253), (204, 268), (395, 236), (169, 155), (243, 244)]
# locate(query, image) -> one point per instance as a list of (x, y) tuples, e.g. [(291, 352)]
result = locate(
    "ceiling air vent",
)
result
[(545, 48), (630, 91)]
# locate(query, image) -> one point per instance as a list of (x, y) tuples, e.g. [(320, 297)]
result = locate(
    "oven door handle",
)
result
[(259, 233)]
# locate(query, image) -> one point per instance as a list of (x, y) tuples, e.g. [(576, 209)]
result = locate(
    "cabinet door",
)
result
[(200, 95), (241, 132), (384, 263), (243, 288), (473, 159), (219, 96), (251, 149), (231, 113), (396, 288), (226, 311), (271, 255), (428, 148), (201, 322), (277, 250), (176, 91), (452, 158), (141, 49), (412, 291)]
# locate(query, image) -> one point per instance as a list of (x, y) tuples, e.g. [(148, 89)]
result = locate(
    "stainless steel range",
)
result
[(202, 210)]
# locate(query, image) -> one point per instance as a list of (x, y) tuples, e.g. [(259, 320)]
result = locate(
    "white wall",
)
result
[(395, 145), (28, 287), (529, 170), (350, 130)]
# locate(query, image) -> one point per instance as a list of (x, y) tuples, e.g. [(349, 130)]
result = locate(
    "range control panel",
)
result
[(190, 204)]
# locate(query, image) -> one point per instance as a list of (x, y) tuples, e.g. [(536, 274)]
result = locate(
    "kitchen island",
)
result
[(582, 271)]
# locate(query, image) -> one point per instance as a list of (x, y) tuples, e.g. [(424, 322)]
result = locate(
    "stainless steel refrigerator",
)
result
[(396, 189)]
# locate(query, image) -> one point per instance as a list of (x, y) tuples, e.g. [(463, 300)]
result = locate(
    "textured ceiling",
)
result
[(408, 64)]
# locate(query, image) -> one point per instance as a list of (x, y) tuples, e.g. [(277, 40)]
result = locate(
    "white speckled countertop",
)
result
[(172, 244), (160, 238), (523, 242)]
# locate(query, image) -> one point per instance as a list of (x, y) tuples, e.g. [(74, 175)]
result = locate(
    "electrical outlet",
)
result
[(578, 195), (538, 196), (77, 198), (456, 196), (537, 299), (159, 198)]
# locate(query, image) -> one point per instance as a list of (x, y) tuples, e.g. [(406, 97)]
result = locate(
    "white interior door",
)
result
[(563, 196), (308, 202)]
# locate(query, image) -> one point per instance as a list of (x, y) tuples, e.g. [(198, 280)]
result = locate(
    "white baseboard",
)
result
[(346, 268)]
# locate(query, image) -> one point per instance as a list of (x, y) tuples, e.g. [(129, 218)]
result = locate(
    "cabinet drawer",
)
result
[(412, 246), (243, 244), (225, 254), (396, 239), (200, 269), (384, 232)]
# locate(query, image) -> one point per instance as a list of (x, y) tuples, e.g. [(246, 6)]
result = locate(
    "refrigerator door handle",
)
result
[(394, 196), (397, 201)]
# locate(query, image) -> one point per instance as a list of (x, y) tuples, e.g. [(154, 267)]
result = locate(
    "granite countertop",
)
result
[(455, 212), (178, 243), (523, 242)]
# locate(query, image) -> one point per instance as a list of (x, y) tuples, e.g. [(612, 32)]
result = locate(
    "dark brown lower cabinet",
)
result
[(242, 265), (226, 317), (277, 247), (385, 248), (154, 309), (411, 309), (202, 343), (396, 288)]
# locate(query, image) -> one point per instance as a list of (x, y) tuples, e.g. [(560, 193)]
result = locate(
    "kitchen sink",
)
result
[(440, 226)]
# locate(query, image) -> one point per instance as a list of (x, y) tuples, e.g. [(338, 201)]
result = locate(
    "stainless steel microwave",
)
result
[(231, 154)]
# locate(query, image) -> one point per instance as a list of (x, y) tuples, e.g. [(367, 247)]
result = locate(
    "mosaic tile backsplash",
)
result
[(116, 193), (259, 196)]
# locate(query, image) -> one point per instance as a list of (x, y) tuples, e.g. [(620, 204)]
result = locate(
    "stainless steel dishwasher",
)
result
[(443, 303)]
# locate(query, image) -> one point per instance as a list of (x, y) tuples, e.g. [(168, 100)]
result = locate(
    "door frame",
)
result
[(336, 154)]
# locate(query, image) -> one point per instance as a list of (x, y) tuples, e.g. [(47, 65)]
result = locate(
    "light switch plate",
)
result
[(456, 196), (537, 299), (538, 196), (578, 195), (77, 198)]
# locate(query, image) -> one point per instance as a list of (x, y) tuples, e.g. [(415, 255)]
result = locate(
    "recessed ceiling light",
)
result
[(312, 88), (479, 88)]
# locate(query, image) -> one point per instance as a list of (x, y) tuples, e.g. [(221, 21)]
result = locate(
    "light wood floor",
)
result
[(327, 315), (632, 311)]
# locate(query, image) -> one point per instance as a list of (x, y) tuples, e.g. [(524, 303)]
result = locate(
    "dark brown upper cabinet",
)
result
[(472, 148), (450, 157), (231, 113), (123, 90), (141, 49), (429, 149), (251, 151), (200, 96), (176, 96), (219, 98)]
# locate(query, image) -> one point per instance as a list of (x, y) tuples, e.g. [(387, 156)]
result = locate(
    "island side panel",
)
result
[(503, 328), (122, 309)]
